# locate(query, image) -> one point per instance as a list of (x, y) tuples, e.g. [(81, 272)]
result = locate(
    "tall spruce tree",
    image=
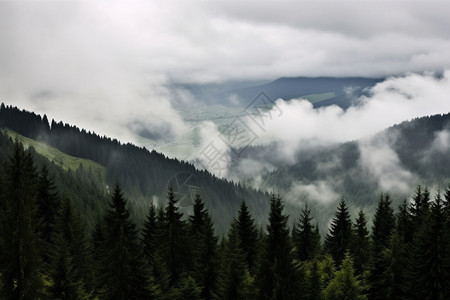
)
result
[(305, 236), (48, 202), (276, 278), (70, 264), (150, 234), (98, 253), (204, 250), (174, 246), (383, 226), (420, 221), (123, 276), (432, 256), (248, 235), (360, 246), (234, 267), (20, 255), (393, 277), (337, 241)]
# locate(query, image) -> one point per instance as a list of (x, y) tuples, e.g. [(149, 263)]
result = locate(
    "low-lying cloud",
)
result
[(390, 102)]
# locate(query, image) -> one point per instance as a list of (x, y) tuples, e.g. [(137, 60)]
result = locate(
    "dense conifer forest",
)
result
[(48, 253)]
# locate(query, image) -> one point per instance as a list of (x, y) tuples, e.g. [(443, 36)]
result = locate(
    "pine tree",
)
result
[(122, 265), (277, 272), (174, 243), (98, 252), (248, 236), (158, 279), (234, 272), (70, 266), (392, 281), (383, 226), (188, 290), (404, 226), (305, 236), (327, 269), (64, 284), (47, 201), (345, 285), (204, 250), (20, 253), (72, 229), (432, 258), (360, 243), (314, 282), (337, 242), (420, 207), (150, 233), (420, 215)]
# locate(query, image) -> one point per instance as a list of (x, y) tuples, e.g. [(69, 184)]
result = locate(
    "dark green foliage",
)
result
[(277, 272), (158, 279), (122, 273), (420, 208), (359, 246), (314, 282), (248, 236), (345, 285), (150, 233), (234, 284), (383, 226), (205, 258), (20, 256), (188, 290), (392, 281), (98, 252), (432, 256), (337, 241), (174, 247), (305, 236), (47, 201), (70, 264)]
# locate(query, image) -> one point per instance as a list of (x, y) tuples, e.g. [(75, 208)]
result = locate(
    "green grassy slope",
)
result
[(61, 159)]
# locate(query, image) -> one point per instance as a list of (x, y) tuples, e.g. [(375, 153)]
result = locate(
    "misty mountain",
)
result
[(321, 91), (144, 175), (395, 161)]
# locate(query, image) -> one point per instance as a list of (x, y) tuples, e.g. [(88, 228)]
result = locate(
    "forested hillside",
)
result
[(407, 154), (47, 253), (144, 175)]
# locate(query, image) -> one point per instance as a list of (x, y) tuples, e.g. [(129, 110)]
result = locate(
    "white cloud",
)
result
[(319, 191), (441, 141), (107, 65), (392, 101), (382, 163)]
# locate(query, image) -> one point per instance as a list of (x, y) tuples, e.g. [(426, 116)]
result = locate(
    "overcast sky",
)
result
[(106, 65)]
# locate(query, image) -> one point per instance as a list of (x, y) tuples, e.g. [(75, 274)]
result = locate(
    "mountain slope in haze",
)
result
[(144, 175), (395, 160)]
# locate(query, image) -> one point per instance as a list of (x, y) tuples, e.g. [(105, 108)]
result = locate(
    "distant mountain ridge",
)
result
[(338, 91)]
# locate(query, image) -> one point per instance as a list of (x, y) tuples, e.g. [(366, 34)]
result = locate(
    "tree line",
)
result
[(46, 252)]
